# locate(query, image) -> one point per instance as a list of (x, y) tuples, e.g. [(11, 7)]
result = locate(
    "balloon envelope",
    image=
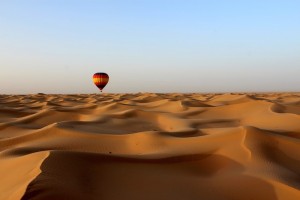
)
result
[(100, 79)]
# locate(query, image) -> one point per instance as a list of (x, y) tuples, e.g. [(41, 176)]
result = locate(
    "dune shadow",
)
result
[(78, 176)]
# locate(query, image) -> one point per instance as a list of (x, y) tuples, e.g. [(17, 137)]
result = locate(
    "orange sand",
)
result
[(150, 147)]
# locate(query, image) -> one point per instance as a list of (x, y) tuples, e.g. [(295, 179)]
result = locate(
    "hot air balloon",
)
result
[(100, 79)]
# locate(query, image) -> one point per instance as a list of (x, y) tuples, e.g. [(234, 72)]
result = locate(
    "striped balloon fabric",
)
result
[(100, 79)]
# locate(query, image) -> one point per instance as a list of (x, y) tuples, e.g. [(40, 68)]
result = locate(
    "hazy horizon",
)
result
[(149, 46)]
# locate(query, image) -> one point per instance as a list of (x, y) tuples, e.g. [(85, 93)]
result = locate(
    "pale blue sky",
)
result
[(55, 46)]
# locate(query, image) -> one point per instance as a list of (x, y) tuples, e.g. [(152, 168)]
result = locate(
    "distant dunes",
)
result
[(150, 146)]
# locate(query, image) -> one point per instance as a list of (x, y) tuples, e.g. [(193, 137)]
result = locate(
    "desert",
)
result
[(164, 146)]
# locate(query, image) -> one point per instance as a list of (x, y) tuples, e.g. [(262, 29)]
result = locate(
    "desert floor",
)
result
[(149, 146)]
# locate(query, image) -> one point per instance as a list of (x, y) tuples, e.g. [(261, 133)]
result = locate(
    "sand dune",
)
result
[(150, 146)]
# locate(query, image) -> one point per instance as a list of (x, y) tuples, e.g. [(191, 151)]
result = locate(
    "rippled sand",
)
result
[(150, 146)]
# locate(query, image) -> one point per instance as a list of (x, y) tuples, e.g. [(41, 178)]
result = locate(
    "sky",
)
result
[(55, 46)]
